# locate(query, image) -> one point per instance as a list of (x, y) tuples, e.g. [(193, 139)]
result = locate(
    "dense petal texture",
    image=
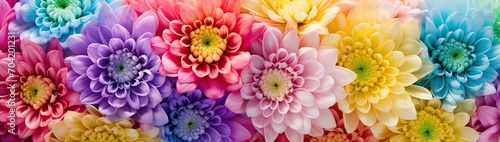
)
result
[(7, 14), (43, 20), (204, 43), (288, 89), (116, 69), (383, 54), (301, 15), (35, 89), (196, 118), (339, 134), (93, 126), (486, 118), (401, 9), (460, 45), (433, 123)]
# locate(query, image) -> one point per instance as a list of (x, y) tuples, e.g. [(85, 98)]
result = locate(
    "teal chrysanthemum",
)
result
[(459, 42), (43, 20)]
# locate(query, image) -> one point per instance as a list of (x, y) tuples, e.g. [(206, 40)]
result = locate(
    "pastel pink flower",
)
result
[(205, 44), (40, 86), (288, 89), (401, 9), (486, 119)]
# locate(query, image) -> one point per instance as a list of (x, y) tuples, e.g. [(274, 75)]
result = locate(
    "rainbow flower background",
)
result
[(249, 70)]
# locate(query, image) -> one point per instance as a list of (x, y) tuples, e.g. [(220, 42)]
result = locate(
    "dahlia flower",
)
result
[(206, 44), (40, 79), (301, 15), (384, 57), (485, 119), (460, 49), (194, 117), (6, 16), (339, 134), (288, 89), (43, 20), (433, 123), (92, 126), (119, 71), (401, 9)]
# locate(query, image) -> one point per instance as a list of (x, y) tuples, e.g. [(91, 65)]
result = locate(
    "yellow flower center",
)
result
[(37, 91), (337, 135), (367, 65), (103, 133), (429, 126), (275, 84), (206, 44)]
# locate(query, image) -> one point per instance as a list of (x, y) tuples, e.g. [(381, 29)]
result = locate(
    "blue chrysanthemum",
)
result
[(196, 118), (459, 44), (43, 20)]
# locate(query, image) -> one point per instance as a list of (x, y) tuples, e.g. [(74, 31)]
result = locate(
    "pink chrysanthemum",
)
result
[(486, 119), (339, 134), (289, 89), (205, 44), (40, 86), (401, 9), (6, 15)]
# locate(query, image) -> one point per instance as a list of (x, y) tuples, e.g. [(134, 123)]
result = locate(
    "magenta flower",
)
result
[(206, 44), (289, 89), (40, 80), (486, 119), (115, 67), (6, 15)]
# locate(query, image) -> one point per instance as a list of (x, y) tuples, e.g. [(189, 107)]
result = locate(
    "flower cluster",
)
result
[(249, 70)]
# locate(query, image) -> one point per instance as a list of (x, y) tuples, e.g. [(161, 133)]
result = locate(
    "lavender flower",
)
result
[(115, 68)]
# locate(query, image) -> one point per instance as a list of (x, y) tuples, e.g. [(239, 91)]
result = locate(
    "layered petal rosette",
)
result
[(116, 69), (495, 5), (301, 15), (458, 42), (7, 14), (41, 95), (339, 134), (9, 123), (93, 126), (384, 55), (196, 118), (401, 9), (485, 119), (433, 123), (205, 44), (43, 20), (288, 89)]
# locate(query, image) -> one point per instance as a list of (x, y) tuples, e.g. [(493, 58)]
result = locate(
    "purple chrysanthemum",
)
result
[(115, 68), (196, 118)]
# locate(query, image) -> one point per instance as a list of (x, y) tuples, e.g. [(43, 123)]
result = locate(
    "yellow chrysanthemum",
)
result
[(301, 15), (94, 127), (384, 57), (433, 124)]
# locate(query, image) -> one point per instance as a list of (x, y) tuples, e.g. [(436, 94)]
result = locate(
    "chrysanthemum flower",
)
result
[(288, 89), (196, 118), (6, 16), (6, 136), (384, 57), (94, 127), (40, 80), (495, 5), (486, 118), (459, 44), (43, 20), (339, 134), (433, 123), (205, 44), (401, 9), (301, 15), (115, 67)]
